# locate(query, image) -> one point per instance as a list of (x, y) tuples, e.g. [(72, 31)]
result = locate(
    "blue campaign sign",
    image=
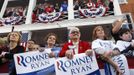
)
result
[(34, 63), (81, 64)]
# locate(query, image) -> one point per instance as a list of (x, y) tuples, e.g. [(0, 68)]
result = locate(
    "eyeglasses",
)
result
[(73, 32)]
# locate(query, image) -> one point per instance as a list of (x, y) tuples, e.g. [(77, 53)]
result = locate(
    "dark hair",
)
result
[(31, 40), (51, 34), (123, 30)]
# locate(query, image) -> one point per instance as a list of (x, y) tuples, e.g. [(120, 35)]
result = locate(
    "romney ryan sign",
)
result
[(33, 63), (81, 64)]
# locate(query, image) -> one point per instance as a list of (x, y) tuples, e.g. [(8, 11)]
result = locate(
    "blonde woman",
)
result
[(13, 39)]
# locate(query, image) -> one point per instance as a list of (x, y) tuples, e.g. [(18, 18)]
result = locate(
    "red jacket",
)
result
[(83, 46)]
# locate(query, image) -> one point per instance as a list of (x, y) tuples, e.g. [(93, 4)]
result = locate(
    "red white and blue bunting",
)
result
[(49, 17), (11, 20), (95, 12)]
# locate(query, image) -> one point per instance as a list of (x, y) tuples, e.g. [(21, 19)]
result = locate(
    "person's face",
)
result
[(100, 32), (75, 34), (126, 36), (14, 37), (30, 44), (51, 40), (35, 47)]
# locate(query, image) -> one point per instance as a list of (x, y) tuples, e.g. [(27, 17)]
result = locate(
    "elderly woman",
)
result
[(13, 39)]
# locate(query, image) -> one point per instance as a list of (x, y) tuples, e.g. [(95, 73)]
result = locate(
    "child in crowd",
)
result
[(125, 45), (117, 25), (30, 44)]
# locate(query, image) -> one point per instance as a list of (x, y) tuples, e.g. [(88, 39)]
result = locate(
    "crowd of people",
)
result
[(44, 12), (47, 11), (50, 12), (104, 48), (13, 16)]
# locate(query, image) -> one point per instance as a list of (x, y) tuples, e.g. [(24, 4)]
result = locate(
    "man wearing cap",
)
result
[(75, 46)]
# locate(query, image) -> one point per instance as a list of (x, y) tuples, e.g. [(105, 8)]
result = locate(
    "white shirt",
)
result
[(121, 45), (76, 47), (101, 46)]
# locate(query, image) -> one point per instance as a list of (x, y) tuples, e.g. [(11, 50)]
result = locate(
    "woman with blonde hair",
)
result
[(104, 47), (14, 47)]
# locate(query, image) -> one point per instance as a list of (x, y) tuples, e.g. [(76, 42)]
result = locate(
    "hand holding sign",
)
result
[(81, 64), (34, 63), (89, 52), (48, 50), (51, 54), (69, 54)]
